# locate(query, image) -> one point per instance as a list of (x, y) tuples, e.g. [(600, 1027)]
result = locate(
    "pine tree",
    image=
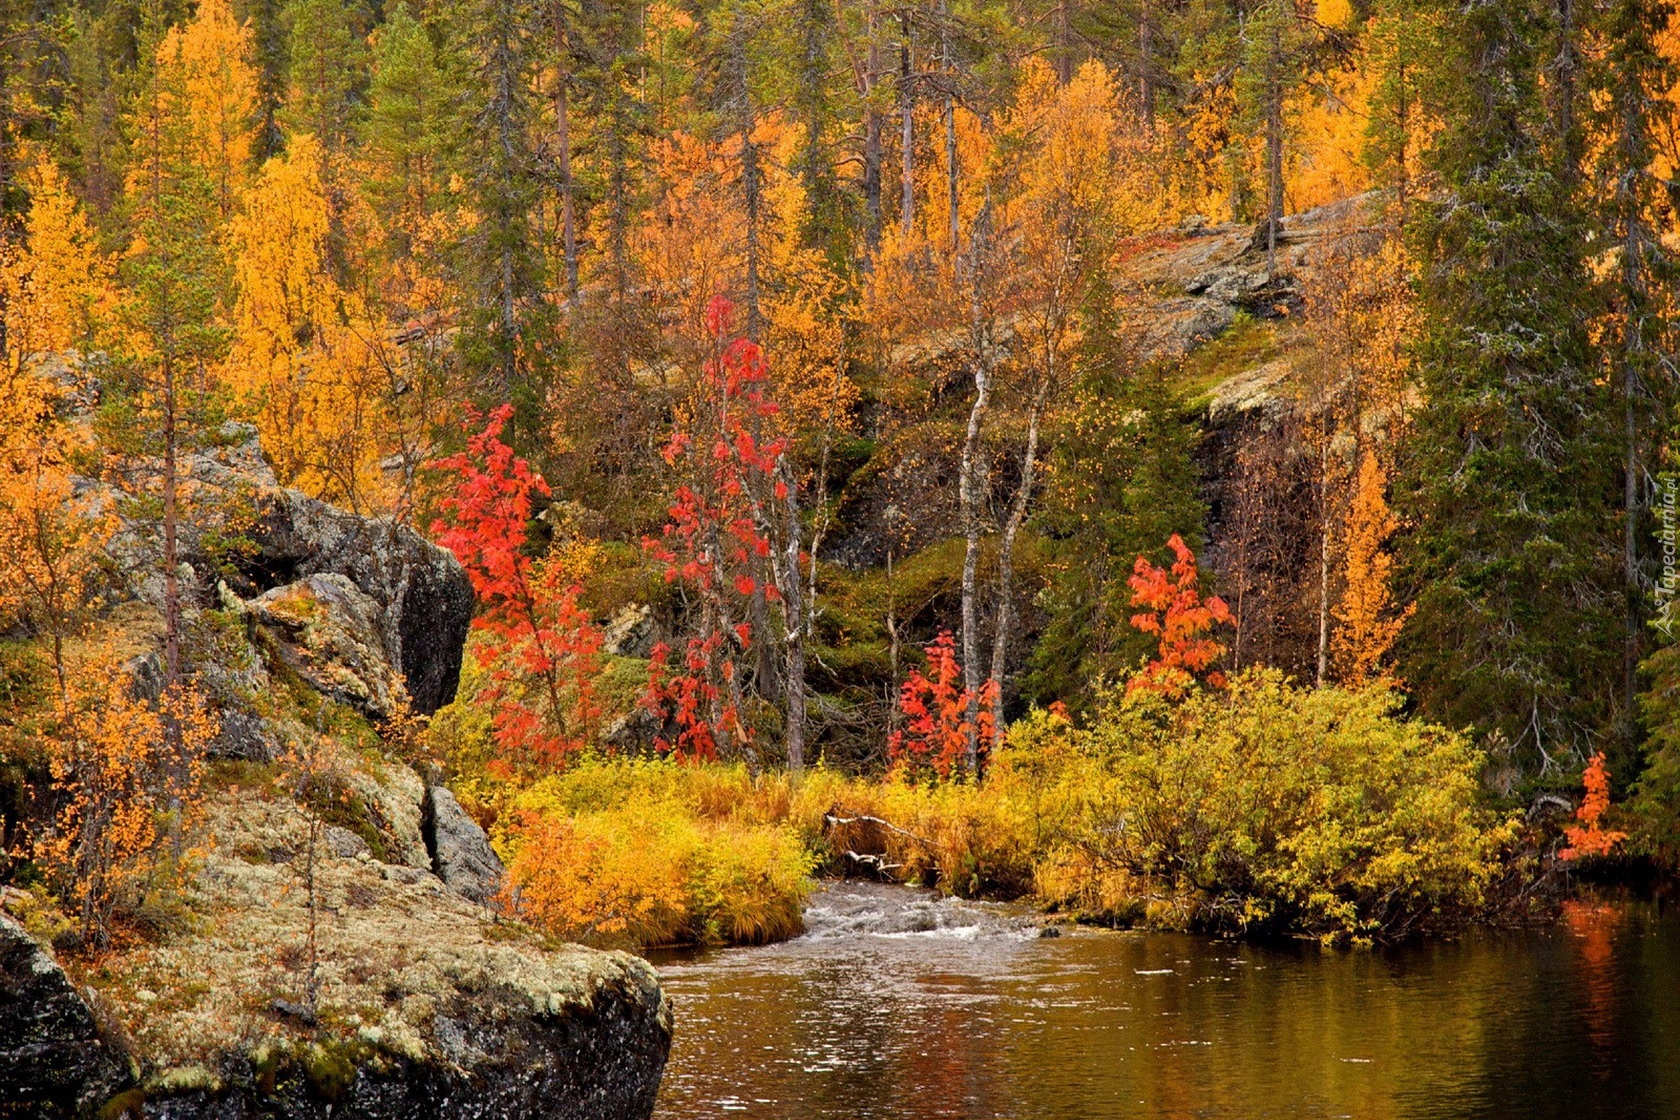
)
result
[(403, 134), (326, 71), (173, 275), (1507, 485)]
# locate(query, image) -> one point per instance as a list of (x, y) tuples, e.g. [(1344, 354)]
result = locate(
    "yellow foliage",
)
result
[(211, 57), (49, 540), (305, 358), (628, 852), (1326, 160), (57, 287)]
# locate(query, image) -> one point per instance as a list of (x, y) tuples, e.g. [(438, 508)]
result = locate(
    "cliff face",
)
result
[(333, 951), (250, 543)]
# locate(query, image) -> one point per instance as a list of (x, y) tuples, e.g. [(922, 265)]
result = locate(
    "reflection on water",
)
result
[(896, 1005)]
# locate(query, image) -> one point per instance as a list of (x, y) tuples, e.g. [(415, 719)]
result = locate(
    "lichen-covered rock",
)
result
[(423, 597), (243, 534), (52, 1059), (461, 853), (629, 633), (414, 1003), (327, 630), (391, 799)]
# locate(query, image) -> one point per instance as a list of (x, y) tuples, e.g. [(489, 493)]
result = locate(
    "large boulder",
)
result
[(423, 597), (245, 535), (317, 982), (461, 853), (328, 632), (53, 1061)]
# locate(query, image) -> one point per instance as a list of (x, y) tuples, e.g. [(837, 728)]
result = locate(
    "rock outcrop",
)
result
[(388, 590), (407, 1001), (53, 1060), (461, 853), (333, 953)]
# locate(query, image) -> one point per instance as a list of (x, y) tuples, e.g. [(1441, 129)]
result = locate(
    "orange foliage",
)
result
[(1178, 614), (49, 538), (1591, 839), (127, 772), (578, 882), (1368, 626)]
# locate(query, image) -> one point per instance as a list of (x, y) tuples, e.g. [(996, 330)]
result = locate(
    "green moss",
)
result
[(229, 773), (1248, 342), (127, 1103), (329, 1069), (622, 681)]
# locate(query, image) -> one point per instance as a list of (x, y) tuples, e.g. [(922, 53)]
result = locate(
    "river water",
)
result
[(899, 1006)]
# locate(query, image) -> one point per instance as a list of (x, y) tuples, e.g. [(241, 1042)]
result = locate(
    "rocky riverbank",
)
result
[(336, 947)]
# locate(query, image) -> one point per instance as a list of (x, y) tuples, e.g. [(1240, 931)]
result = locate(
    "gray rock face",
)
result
[(328, 631), (461, 853), (417, 597), (51, 1056), (422, 595)]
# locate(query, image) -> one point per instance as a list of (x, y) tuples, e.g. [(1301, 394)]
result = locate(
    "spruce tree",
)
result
[(1507, 488), (503, 266)]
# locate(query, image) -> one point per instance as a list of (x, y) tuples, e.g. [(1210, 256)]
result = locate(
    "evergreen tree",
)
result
[(1507, 487), (1631, 78), (174, 277), (326, 70), (271, 51), (402, 134), (503, 265), (1122, 480)]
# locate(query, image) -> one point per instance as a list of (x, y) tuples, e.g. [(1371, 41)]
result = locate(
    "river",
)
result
[(896, 1005)]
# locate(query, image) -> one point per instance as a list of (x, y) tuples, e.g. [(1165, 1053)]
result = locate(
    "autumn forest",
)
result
[(1201, 465)]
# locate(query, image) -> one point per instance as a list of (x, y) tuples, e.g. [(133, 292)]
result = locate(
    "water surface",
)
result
[(899, 1006)]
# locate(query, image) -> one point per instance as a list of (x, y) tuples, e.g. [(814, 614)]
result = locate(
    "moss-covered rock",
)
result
[(406, 1001)]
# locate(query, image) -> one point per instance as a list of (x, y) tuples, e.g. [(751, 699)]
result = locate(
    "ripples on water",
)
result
[(896, 1005)]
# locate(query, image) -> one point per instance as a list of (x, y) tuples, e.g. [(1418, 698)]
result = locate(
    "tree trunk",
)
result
[(893, 711), (1274, 165), (907, 148), (969, 491), (1565, 69), (1635, 294), (171, 522), (1324, 520), (1146, 64), (872, 128), (968, 485), (793, 607), (953, 210), (563, 144), (1063, 42), (749, 176), (1006, 544)]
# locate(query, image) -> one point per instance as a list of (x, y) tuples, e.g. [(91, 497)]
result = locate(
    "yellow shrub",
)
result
[(657, 852)]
